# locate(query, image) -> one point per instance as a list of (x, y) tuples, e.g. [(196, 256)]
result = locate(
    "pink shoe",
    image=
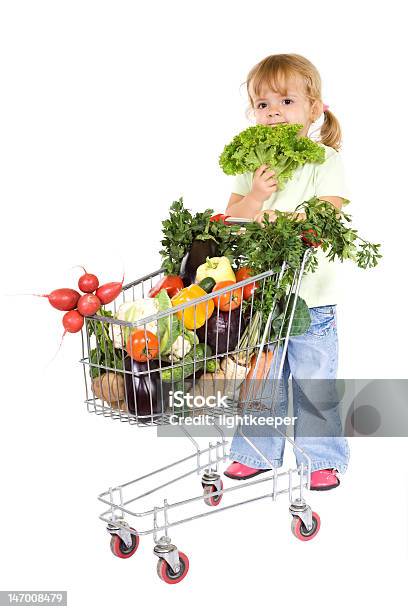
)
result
[(324, 480), (239, 471)]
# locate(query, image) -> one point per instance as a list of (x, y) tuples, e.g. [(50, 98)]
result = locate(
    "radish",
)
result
[(72, 322), (88, 304), (62, 299), (88, 283), (109, 292)]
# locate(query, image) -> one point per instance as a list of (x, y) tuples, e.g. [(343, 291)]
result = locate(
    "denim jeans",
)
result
[(313, 355)]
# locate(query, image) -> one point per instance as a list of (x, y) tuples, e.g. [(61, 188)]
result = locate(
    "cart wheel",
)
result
[(165, 572), (215, 499), (119, 548), (299, 529)]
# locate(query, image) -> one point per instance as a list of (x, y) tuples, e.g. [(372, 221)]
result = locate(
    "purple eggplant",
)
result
[(197, 255), (222, 330), (143, 388)]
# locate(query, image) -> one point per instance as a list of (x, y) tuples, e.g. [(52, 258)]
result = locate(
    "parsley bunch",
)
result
[(267, 247), (279, 146)]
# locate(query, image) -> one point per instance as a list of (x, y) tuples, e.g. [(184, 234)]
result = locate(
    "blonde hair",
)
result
[(275, 72)]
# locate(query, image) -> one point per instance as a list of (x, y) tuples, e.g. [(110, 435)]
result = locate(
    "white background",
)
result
[(110, 111)]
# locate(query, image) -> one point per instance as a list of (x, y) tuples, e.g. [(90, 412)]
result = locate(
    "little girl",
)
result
[(286, 88)]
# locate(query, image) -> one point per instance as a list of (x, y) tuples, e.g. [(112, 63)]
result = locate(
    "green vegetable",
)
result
[(105, 355), (267, 247), (191, 336), (182, 228), (192, 362), (301, 318), (279, 146), (132, 312), (207, 284), (211, 366), (163, 300), (169, 328)]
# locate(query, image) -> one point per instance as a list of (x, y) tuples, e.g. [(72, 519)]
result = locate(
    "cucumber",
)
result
[(207, 284), (193, 362)]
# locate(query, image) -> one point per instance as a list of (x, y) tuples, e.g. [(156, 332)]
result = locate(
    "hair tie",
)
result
[(325, 107)]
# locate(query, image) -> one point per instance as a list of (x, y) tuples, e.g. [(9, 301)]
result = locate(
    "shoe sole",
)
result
[(325, 488), (245, 477)]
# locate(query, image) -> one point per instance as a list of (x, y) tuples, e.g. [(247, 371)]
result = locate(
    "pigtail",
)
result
[(330, 131)]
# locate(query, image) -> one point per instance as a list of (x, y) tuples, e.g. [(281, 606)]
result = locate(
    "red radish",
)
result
[(88, 304), (72, 322), (109, 292), (62, 299), (88, 283)]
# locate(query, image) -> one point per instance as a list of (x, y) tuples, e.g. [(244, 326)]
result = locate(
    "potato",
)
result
[(109, 387), (119, 405)]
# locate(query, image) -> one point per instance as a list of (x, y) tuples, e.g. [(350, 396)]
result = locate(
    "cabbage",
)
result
[(131, 312)]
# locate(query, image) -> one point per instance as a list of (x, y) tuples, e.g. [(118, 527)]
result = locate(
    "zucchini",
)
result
[(207, 284)]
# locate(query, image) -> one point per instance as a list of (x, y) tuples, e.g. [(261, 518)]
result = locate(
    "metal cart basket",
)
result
[(141, 393)]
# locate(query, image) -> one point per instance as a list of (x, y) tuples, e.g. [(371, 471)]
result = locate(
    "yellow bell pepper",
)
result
[(218, 268), (193, 316)]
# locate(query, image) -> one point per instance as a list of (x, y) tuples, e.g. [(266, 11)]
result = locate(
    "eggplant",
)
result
[(143, 391), (219, 323), (197, 255)]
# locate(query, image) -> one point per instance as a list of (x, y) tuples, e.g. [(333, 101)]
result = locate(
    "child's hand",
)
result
[(270, 213), (263, 184)]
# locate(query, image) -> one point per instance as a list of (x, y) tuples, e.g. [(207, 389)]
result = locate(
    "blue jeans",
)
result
[(313, 355)]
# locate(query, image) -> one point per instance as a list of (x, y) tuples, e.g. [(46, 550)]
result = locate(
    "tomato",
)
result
[(230, 299), (243, 274), (220, 217), (172, 284), (142, 345), (307, 237)]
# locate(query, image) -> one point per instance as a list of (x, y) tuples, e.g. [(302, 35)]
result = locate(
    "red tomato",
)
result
[(142, 345), (243, 274), (308, 236), (220, 217), (172, 284), (230, 299)]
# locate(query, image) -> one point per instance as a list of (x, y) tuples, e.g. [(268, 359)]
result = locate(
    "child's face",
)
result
[(271, 107)]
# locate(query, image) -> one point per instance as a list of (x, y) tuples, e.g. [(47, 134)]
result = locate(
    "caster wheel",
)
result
[(119, 548), (299, 529), (165, 572), (215, 499)]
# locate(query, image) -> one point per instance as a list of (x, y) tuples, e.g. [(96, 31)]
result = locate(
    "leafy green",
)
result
[(338, 239), (279, 146), (104, 354), (301, 318), (169, 328), (267, 247), (182, 228)]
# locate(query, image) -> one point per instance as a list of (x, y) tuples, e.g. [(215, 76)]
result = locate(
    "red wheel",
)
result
[(119, 548), (215, 499), (299, 528), (165, 572)]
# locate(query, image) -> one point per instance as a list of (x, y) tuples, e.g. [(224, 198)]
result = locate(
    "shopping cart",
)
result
[(140, 394)]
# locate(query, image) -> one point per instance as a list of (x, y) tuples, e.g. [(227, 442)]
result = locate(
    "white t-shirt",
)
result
[(319, 288)]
